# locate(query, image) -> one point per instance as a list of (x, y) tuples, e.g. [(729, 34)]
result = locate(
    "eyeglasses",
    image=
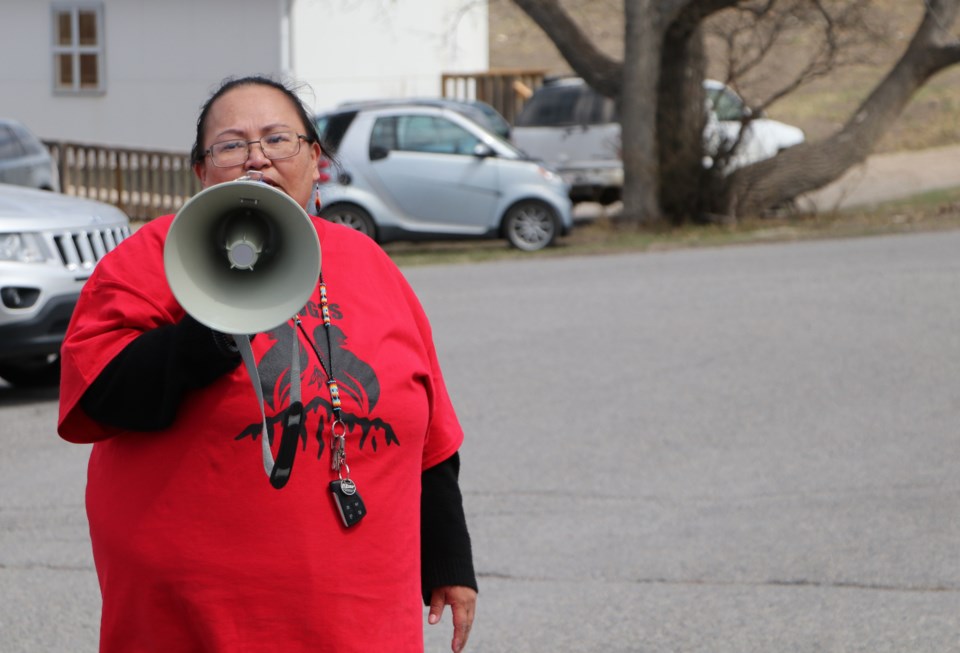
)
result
[(281, 145)]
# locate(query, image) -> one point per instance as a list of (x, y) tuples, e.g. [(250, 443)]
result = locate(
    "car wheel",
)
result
[(350, 216), (530, 225), (34, 372)]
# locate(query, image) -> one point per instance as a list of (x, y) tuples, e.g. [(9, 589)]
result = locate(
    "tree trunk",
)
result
[(638, 111), (767, 184), (680, 122), (633, 84)]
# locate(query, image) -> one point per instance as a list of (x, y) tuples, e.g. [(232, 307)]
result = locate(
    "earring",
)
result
[(316, 197)]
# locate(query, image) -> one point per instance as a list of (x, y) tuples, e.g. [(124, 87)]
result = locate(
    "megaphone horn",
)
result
[(242, 257)]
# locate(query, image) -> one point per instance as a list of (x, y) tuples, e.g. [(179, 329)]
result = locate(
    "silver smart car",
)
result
[(427, 172)]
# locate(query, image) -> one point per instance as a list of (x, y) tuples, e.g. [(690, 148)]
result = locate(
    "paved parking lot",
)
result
[(732, 450)]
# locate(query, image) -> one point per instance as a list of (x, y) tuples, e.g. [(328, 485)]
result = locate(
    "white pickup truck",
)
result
[(575, 130)]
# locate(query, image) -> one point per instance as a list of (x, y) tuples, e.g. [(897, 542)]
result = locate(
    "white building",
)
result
[(134, 73)]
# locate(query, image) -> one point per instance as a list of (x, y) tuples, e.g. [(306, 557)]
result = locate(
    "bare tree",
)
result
[(657, 84), (812, 165)]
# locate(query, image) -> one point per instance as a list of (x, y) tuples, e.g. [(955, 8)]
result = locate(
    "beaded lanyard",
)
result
[(338, 443), (344, 490)]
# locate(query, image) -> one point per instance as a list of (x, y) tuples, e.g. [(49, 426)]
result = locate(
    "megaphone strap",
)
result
[(278, 471)]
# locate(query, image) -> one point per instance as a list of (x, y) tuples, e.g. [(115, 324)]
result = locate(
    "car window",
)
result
[(550, 106), (332, 128), (474, 114), (383, 138), (30, 143), (432, 134), (599, 109), (10, 147), (321, 124), (726, 104), (495, 122)]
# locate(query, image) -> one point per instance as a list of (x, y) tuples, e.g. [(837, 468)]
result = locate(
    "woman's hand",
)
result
[(463, 605)]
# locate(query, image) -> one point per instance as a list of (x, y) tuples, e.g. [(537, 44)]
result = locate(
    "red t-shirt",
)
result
[(194, 549)]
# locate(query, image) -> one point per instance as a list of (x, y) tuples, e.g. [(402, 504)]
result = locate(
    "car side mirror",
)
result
[(482, 151), (378, 152)]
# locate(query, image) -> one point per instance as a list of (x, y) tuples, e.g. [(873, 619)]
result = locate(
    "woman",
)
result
[(194, 549)]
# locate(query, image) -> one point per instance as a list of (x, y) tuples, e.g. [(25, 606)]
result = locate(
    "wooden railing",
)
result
[(142, 183), (504, 90)]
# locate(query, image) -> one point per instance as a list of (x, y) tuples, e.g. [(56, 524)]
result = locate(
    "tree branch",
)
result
[(812, 165), (600, 71)]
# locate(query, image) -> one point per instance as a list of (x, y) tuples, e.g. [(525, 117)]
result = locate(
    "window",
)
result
[(28, 142), (78, 48), (433, 135), (10, 147), (551, 106), (427, 134), (383, 138), (333, 128), (726, 104), (600, 109)]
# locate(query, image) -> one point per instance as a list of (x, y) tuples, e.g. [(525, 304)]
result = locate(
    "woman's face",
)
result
[(249, 113)]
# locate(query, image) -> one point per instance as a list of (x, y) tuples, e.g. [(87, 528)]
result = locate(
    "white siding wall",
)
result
[(162, 60), (362, 49), (164, 57)]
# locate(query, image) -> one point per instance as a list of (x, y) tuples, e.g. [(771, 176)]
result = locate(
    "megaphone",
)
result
[(242, 257)]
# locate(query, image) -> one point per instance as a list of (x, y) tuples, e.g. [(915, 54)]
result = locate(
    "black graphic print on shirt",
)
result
[(358, 382)]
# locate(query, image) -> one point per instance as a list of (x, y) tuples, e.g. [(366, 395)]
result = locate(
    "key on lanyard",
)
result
[(338, 446)]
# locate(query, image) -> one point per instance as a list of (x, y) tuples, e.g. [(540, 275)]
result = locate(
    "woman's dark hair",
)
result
[(310, 128)]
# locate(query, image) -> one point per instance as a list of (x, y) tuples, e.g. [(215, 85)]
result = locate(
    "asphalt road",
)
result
[(733, 450)]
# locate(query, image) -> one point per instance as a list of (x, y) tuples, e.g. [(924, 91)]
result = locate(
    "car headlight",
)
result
[(22, 248), (548, 174)]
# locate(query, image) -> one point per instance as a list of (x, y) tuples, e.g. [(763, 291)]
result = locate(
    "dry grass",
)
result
[(935, 211)]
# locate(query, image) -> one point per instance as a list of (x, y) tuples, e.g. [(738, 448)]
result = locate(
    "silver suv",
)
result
[(576, 131), (49, 244), (24, 160)]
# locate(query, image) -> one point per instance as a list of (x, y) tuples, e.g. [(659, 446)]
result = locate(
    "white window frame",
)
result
[(75, 49)]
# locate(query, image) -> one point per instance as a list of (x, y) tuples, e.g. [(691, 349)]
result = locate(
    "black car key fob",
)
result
[(348, 501)]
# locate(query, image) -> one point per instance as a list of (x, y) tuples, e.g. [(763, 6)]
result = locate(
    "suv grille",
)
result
[(82, 249)]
